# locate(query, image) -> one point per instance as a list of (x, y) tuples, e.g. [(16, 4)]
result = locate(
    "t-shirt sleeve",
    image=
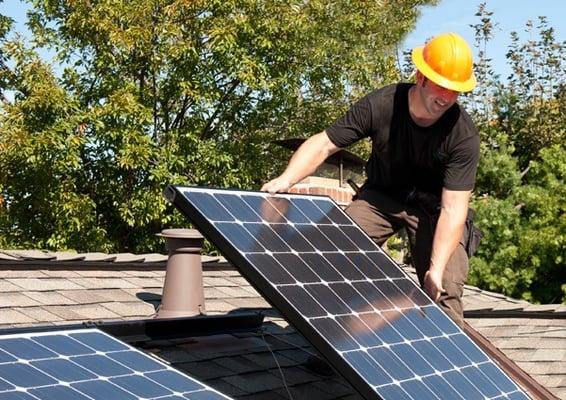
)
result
[(460, 173), (354, 125)]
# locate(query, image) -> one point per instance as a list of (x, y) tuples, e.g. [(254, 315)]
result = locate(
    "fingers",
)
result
[(433, 286), (270, 187), (433, 292), (266, 187), (276, 185)]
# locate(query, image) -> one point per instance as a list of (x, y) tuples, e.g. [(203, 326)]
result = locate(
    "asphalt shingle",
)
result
[(10, 317), (102, 283), (58, 273), (243, 364), (45, 285), (15, 299), (22, 273), (145, 282), (254, 381), (82, 296), (40, 314), (49, 298), (131, 309), (206, 370)]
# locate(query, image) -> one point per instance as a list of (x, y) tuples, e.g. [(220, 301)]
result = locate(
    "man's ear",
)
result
[(419, 79)]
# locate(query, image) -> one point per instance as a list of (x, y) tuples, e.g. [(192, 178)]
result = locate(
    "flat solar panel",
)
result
[(87, 364), (348, 297)]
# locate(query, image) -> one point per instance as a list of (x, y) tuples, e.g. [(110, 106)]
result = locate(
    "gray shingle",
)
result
[(266, 360), (15, 299), (217, 282), (235, 292), (547, 355), (50, 298), (240, 364), (7, 257), (6, 286), (101, 273), (306, 391), (59, 273), (294, 376), (131, 309), (153, 282), (217, 306), (224, 345), (251, 302), (45, 284), (543, 368), (67, 256), (41, 315), (128, 258), (94, 311), (145, 273), (155, 258), (226, 388), (22, 272), (98, 257), (213, 293), (337, 387), (11, 317), (66, 313), (102, 283), (267, 395), (175, 355), (206, 370), (119, 295), (254, 381), (29, 254), (539, 345), (82, 296)]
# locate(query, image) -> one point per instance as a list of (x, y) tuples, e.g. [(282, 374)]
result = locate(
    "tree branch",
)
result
[(181, 113), (206, 130)]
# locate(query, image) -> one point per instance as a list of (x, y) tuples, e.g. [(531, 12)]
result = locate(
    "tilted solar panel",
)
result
[(337, 287), (88, 364)]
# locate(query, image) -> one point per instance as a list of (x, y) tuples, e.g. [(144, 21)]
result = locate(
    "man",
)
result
[(422, 168)]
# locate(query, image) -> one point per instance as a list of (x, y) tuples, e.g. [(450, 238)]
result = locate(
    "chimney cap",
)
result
[(181, 233)]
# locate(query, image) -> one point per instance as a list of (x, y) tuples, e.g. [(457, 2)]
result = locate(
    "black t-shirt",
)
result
[(406, 156)]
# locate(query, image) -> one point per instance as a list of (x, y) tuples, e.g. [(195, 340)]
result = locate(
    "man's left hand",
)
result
[(433, 284)]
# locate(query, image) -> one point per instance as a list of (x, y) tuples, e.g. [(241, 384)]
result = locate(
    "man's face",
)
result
[(435, 99)]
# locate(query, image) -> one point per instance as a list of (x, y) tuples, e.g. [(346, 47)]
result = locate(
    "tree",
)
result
[(519, 195), (522, 252), (533, 104), (153, 92)]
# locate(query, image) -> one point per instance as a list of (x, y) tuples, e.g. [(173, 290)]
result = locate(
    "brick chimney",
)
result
[(325, 186)]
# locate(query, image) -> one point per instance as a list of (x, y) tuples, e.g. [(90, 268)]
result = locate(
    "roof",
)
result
[(39, 288)]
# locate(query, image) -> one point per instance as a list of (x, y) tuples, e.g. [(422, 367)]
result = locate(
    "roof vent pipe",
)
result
[(183, 292)]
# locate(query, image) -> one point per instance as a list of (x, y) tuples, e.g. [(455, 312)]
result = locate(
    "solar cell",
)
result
[(347, 296), (88, 364)]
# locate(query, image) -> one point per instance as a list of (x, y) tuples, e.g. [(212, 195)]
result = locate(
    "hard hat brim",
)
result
[(426, 70)]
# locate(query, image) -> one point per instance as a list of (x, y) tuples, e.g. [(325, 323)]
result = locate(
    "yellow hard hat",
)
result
[(447, 61)]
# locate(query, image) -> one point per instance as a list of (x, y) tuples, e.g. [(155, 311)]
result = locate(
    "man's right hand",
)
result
[(308, 157), (277, 185)]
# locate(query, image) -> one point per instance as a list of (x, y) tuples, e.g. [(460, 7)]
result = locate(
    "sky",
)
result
[(16, 10), (447, 16), (511, 15)]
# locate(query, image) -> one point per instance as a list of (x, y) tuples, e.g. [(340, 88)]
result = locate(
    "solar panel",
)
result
[(345, 295), (88, 364)]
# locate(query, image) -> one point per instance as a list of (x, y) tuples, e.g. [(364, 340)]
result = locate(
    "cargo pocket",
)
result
[(472, 235)]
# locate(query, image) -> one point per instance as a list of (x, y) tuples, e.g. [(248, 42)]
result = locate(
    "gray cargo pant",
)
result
[(381, 216)]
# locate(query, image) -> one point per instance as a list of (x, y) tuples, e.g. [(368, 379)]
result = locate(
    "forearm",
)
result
[(449, 229), (446, 239), (308, 157), (304, 162)]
